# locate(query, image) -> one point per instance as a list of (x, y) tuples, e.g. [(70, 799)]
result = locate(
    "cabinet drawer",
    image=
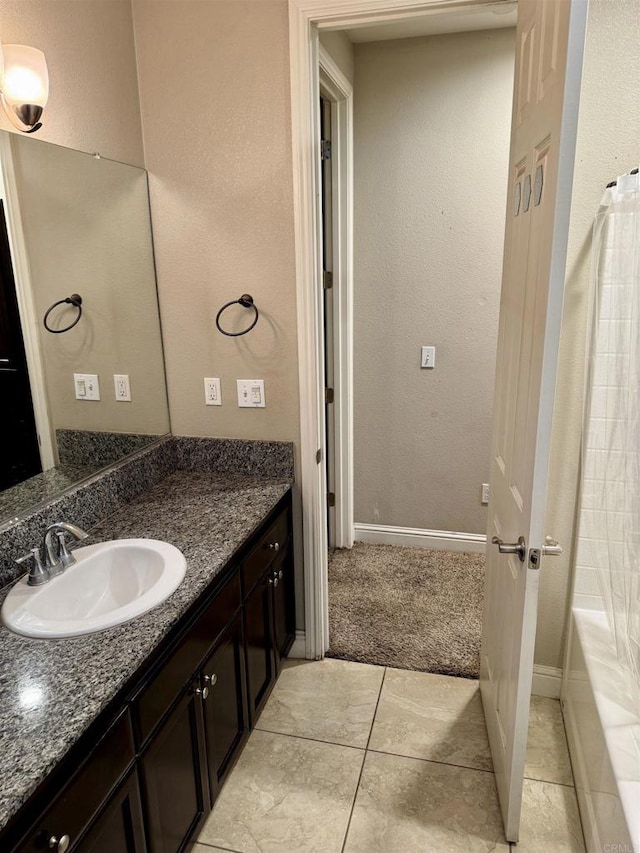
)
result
[(158, 696), (257, 561), (81, 799)]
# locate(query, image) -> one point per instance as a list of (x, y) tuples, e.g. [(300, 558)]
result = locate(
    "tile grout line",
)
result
[(364, 758), (199, 843), (312, 739)]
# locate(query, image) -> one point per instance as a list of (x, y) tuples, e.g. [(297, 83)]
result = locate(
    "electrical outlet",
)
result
[(485, 493), (122, 386), (212, 392), (251, 393), (87, 386), (428, 357)]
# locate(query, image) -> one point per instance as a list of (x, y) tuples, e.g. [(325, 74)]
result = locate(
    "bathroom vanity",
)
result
[(120, 741)]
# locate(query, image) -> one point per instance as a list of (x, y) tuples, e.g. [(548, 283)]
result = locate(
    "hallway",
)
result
[(351, 758)]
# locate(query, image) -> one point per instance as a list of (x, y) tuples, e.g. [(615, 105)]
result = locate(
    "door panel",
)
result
[(259, 644), (175, 778), (225, 711), (120, 828), (547, 78)]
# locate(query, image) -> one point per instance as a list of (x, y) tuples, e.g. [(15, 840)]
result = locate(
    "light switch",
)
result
[(251, 393), (428, 357), (87, 386)]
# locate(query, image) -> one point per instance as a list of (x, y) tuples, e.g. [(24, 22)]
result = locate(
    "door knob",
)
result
[(519, 547)]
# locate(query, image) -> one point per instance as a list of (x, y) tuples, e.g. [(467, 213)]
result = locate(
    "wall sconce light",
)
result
[(25, 86)]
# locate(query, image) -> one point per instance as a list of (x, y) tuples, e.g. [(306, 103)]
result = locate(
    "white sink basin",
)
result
[(111, 583)]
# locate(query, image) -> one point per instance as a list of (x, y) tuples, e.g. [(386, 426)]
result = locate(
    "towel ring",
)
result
[(76, 300), (247, 302)]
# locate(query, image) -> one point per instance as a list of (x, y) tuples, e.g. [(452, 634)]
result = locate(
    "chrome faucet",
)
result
[(56, 555)]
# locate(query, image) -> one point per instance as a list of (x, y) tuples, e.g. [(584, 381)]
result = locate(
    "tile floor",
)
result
[(353, 758)]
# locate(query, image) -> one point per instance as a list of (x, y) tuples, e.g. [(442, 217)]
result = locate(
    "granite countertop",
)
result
[(52, 690)]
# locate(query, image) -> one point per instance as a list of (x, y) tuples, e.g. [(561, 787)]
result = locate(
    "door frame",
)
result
[(339, 91), (306, 19), (26, 303)]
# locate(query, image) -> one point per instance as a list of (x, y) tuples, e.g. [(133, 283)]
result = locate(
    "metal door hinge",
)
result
[(328, 395), (325, 149), (331, 498), (327, 279), (318, 456)]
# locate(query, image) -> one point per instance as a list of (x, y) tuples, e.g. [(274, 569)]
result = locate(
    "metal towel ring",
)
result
[(76, 300), (247, 302)]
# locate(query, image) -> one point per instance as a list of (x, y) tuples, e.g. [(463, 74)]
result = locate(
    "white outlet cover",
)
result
[(251, 393), (212, 392), (87, 386), (122, 387)]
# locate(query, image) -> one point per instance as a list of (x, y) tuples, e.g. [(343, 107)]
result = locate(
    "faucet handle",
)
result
[(38, 574), (65, 556)]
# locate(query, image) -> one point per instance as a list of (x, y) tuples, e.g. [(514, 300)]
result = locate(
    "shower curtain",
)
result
[(611, 456)]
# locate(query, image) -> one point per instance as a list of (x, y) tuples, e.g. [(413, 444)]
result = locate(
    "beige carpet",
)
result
[(407, 607)]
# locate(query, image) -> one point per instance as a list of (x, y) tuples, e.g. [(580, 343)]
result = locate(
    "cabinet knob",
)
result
[(274, 546), (203, 692), (60, 845), (280, 574), (271, 581), (210, 679)]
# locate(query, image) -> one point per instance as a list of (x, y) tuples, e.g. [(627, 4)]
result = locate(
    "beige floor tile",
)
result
[(329, 700), (286, 794), (207, 848), (436, 717), (550, 820), (547, 752), (405, 805)]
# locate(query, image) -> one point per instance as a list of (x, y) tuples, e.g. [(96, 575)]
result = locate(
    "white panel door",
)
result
[(550, 38)]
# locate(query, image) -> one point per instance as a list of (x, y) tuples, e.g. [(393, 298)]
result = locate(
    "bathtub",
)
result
[(603, 732)]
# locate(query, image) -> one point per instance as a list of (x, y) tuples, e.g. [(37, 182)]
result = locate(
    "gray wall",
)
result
[(432, 126)]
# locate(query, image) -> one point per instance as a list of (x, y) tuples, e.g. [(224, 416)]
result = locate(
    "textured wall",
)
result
[(608, 144), (89, 45), (214, 83), (432, 123), (339, 47), (86, 226)]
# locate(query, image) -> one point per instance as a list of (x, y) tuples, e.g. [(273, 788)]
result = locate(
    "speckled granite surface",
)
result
[(41, 487), (110, 489), (98, 449), (52, 690)]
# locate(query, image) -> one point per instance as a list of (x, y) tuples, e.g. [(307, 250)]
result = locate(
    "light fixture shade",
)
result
[(25, 89)]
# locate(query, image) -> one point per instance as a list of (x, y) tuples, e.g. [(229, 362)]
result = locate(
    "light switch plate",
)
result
[(212, 392), (485, 493), (251, 393), (87, 386), (428, 357)]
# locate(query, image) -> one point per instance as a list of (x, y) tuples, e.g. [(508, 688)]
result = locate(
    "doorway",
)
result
[(18, 433)]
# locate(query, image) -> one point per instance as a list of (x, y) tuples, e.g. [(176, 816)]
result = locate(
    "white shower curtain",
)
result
[(611, 459)]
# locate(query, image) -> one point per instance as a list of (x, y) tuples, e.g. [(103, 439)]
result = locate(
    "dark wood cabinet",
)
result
[(174, 776), (269, 611), (120, 827), (261, 665), (148, 781), (225, 708)]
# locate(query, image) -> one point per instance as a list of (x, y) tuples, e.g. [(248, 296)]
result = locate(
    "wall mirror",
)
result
[(74, 224)]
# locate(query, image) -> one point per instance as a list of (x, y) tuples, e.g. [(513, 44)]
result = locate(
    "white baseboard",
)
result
[(415, 537), (547, 681), (299, 648)]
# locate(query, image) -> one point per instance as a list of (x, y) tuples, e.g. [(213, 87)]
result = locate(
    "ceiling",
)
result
[(498, 15)]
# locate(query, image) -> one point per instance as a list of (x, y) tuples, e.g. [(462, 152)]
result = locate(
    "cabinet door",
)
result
[(174, 777), (225, 708), (284, 616), (120, 828), (258, 632)]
